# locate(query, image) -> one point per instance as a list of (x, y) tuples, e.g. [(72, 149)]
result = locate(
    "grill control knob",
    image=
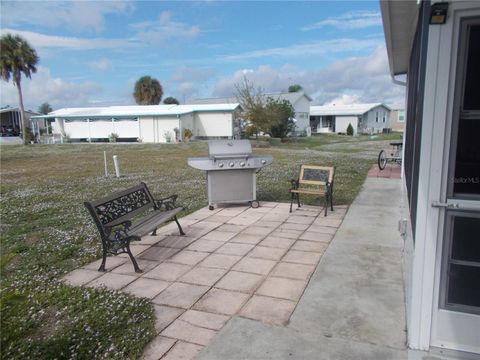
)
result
[(264, 162), (220, 165), (231, 164), (242, 164)]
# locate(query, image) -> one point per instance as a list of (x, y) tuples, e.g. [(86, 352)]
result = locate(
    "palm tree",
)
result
[(17, 57), (148, 91)]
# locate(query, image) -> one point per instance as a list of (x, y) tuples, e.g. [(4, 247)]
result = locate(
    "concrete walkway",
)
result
[(353, 307)]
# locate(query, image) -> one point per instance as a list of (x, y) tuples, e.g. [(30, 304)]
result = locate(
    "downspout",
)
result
[(398, 82)]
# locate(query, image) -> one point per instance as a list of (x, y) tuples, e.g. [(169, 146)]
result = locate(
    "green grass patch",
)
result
[(47, 232)]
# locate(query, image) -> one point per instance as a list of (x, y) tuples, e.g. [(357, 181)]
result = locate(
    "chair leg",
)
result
[(135, 265), (104, 260), (331, 200), (326, 202), (292, 197), (178, 224), (154, 232), (298, 199)]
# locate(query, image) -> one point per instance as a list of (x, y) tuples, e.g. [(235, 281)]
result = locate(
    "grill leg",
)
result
[(178, 224), (298, 199), (154, 232), (291, 200)]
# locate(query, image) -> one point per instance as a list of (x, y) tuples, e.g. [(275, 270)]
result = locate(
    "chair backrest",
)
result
[(316, 175)]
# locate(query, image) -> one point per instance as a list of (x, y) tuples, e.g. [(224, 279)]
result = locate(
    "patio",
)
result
[(234, 261)]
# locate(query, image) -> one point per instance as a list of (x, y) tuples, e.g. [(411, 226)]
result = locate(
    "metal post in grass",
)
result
[(117, 166), (105, 162)]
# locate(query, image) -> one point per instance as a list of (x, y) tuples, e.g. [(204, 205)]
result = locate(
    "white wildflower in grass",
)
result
[(49, 233)]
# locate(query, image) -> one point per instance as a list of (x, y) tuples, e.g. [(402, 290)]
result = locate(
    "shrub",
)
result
[(187, 133), (350, 130), (113, 137)]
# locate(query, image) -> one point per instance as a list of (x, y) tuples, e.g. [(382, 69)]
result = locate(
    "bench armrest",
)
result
[(167, 203)]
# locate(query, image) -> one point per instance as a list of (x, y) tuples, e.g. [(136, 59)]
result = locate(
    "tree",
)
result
[(294, 88), (148, 91), (17, 57), (171, 100), (252, 102), (350, 130), (280, 115), (45, 108)]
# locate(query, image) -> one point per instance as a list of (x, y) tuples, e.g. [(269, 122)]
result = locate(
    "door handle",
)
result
[(457, 206), (439, 204)]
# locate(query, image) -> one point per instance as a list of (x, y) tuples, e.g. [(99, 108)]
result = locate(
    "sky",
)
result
[(91, 53)]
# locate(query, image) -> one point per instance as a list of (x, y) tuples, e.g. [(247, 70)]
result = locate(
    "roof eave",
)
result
[(399, 25)]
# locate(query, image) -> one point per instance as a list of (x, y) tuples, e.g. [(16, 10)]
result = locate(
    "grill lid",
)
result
[(229, 148)]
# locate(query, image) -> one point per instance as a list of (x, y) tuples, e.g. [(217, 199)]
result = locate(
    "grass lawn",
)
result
[(46, 232)]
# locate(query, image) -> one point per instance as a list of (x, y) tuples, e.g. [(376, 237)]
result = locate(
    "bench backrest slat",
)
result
[(316, 175), (118, 207)]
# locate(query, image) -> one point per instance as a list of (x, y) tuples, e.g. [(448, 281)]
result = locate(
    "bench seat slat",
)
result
[(149, 224), (304, 191)]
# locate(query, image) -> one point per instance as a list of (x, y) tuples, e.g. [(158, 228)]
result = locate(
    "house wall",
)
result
[(187, 122), (77, 129), (397, 120), (369, 121), (213, 124), (164, 127), (302, 114), (341, 123)]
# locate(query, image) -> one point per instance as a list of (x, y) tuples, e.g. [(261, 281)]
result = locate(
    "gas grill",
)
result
[(231, 171)]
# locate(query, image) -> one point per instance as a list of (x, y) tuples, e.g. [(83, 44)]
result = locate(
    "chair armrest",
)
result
[(295, 184), (167, 203)]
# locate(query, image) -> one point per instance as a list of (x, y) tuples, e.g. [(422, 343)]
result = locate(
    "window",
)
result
[(376, 116), (401, 115), (384, 117)]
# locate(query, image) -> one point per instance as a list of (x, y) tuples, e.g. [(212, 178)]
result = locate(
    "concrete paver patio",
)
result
[(254, 263)]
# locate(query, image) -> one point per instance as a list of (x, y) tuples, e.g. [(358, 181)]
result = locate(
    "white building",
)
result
[(437, 46), (364, 118), (146, 123), (299, 100)]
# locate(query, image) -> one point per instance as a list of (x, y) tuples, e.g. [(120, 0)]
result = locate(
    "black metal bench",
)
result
[(128, 215)]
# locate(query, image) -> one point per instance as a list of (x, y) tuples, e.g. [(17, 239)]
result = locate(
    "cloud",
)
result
[(101, 64), (45, 88), (320, 47), (164, 30), (361, 79), (74, 16), (38, 40), (348, 21), (185, 73)]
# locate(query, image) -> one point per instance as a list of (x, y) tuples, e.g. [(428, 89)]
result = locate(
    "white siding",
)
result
[(165, 126), (126, 128), (302, 114), (213, 124), (187, 122), (147, 129), (76, 129), (341, 123), (97, 129)]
